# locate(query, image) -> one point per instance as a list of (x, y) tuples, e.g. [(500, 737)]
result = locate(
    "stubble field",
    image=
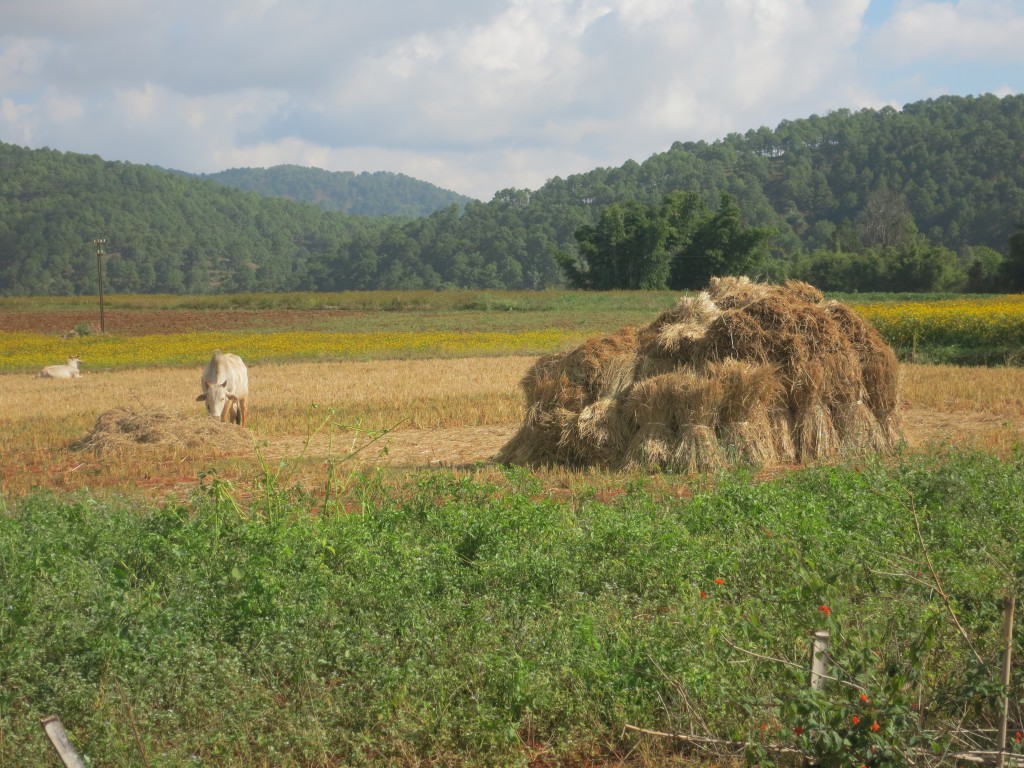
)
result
[(452, 412)]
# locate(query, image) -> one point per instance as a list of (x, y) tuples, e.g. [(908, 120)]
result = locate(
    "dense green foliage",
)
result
[(679, 244), (360, 194), (922, 199), (164, 232), (452, 620), (1013, 265)]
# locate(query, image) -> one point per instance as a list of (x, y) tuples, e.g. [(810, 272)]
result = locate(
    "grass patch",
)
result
[(960, 355), (883, 297), (461, 621)]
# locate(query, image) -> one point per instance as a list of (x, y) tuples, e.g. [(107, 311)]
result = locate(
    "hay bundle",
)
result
[(597, 435), (750, 393), (696, 418), (578, 378), (651, 404), (539, 439), (879, 371), (743, 371), (121, 429)]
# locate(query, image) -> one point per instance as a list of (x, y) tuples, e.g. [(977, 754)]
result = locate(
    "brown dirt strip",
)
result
[(141, 322), (467, 446)]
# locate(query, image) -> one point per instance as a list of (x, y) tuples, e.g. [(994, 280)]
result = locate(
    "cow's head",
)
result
[(218, 400)]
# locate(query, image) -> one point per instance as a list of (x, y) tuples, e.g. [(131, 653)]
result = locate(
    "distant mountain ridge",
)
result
[(379, 193), (929, 197)]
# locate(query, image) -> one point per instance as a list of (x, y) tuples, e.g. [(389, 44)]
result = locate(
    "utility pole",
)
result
[(98, 242)]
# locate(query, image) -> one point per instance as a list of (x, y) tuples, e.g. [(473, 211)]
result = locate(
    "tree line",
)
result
[(925, 198)]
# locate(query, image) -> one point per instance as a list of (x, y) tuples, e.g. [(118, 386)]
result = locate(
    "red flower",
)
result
[(719, 582), (798, 730), (855, 719), (874, 726), (864, 698), (703, 594), (1018, 737), (764, 726), (824, 609)]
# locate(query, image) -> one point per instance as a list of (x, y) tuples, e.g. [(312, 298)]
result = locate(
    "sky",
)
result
[(474, 96)]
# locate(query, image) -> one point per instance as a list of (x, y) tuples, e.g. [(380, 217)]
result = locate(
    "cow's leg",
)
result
[(243, 411)]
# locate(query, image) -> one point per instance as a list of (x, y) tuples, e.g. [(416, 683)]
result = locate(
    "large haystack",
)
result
[(122, 429), (742, 372)]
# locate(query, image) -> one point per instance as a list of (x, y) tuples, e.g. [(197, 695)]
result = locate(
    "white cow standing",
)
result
[(225, 385), (67, 371)]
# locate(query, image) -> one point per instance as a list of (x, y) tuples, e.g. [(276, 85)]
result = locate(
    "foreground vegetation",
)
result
[(459, 621)]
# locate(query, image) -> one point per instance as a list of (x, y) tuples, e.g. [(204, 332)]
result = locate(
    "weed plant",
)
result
[(453, 621)]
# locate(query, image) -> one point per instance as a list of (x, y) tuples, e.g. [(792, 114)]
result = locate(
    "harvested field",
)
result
[(451, 413)]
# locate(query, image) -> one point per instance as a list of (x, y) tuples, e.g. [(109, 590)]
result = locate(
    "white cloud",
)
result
[(989, 30), (16, 123), (64, 108), (20, 63), (139, 105)]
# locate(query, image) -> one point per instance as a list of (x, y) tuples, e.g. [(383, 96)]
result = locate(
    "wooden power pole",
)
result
[(98, 242)]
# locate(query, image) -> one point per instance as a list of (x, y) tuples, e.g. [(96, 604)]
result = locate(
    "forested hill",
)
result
[(364, 194), (957, 164), (164, 232), (922, 198)]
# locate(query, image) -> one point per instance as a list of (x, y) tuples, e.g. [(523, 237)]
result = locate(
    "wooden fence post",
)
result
[(819, 659), (819, 671), (59, 738), (1008, 606)]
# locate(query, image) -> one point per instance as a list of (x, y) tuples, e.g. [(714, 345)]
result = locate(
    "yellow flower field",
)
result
[(969, 322), (22, 352)]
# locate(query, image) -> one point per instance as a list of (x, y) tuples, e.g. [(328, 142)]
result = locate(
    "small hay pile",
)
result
[(121, 429), (742, 372)]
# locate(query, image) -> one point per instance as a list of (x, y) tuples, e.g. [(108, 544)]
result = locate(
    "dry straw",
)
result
[(741, 372), (125, 429)]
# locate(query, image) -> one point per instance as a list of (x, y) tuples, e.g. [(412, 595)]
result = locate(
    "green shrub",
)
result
[(454, 620)]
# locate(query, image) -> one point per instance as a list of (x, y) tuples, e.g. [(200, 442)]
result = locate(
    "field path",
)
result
[(409, 448), (463, 447)]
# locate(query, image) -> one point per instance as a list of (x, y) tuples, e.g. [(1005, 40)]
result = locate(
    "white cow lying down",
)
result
[(225, 385), (68, 371)]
